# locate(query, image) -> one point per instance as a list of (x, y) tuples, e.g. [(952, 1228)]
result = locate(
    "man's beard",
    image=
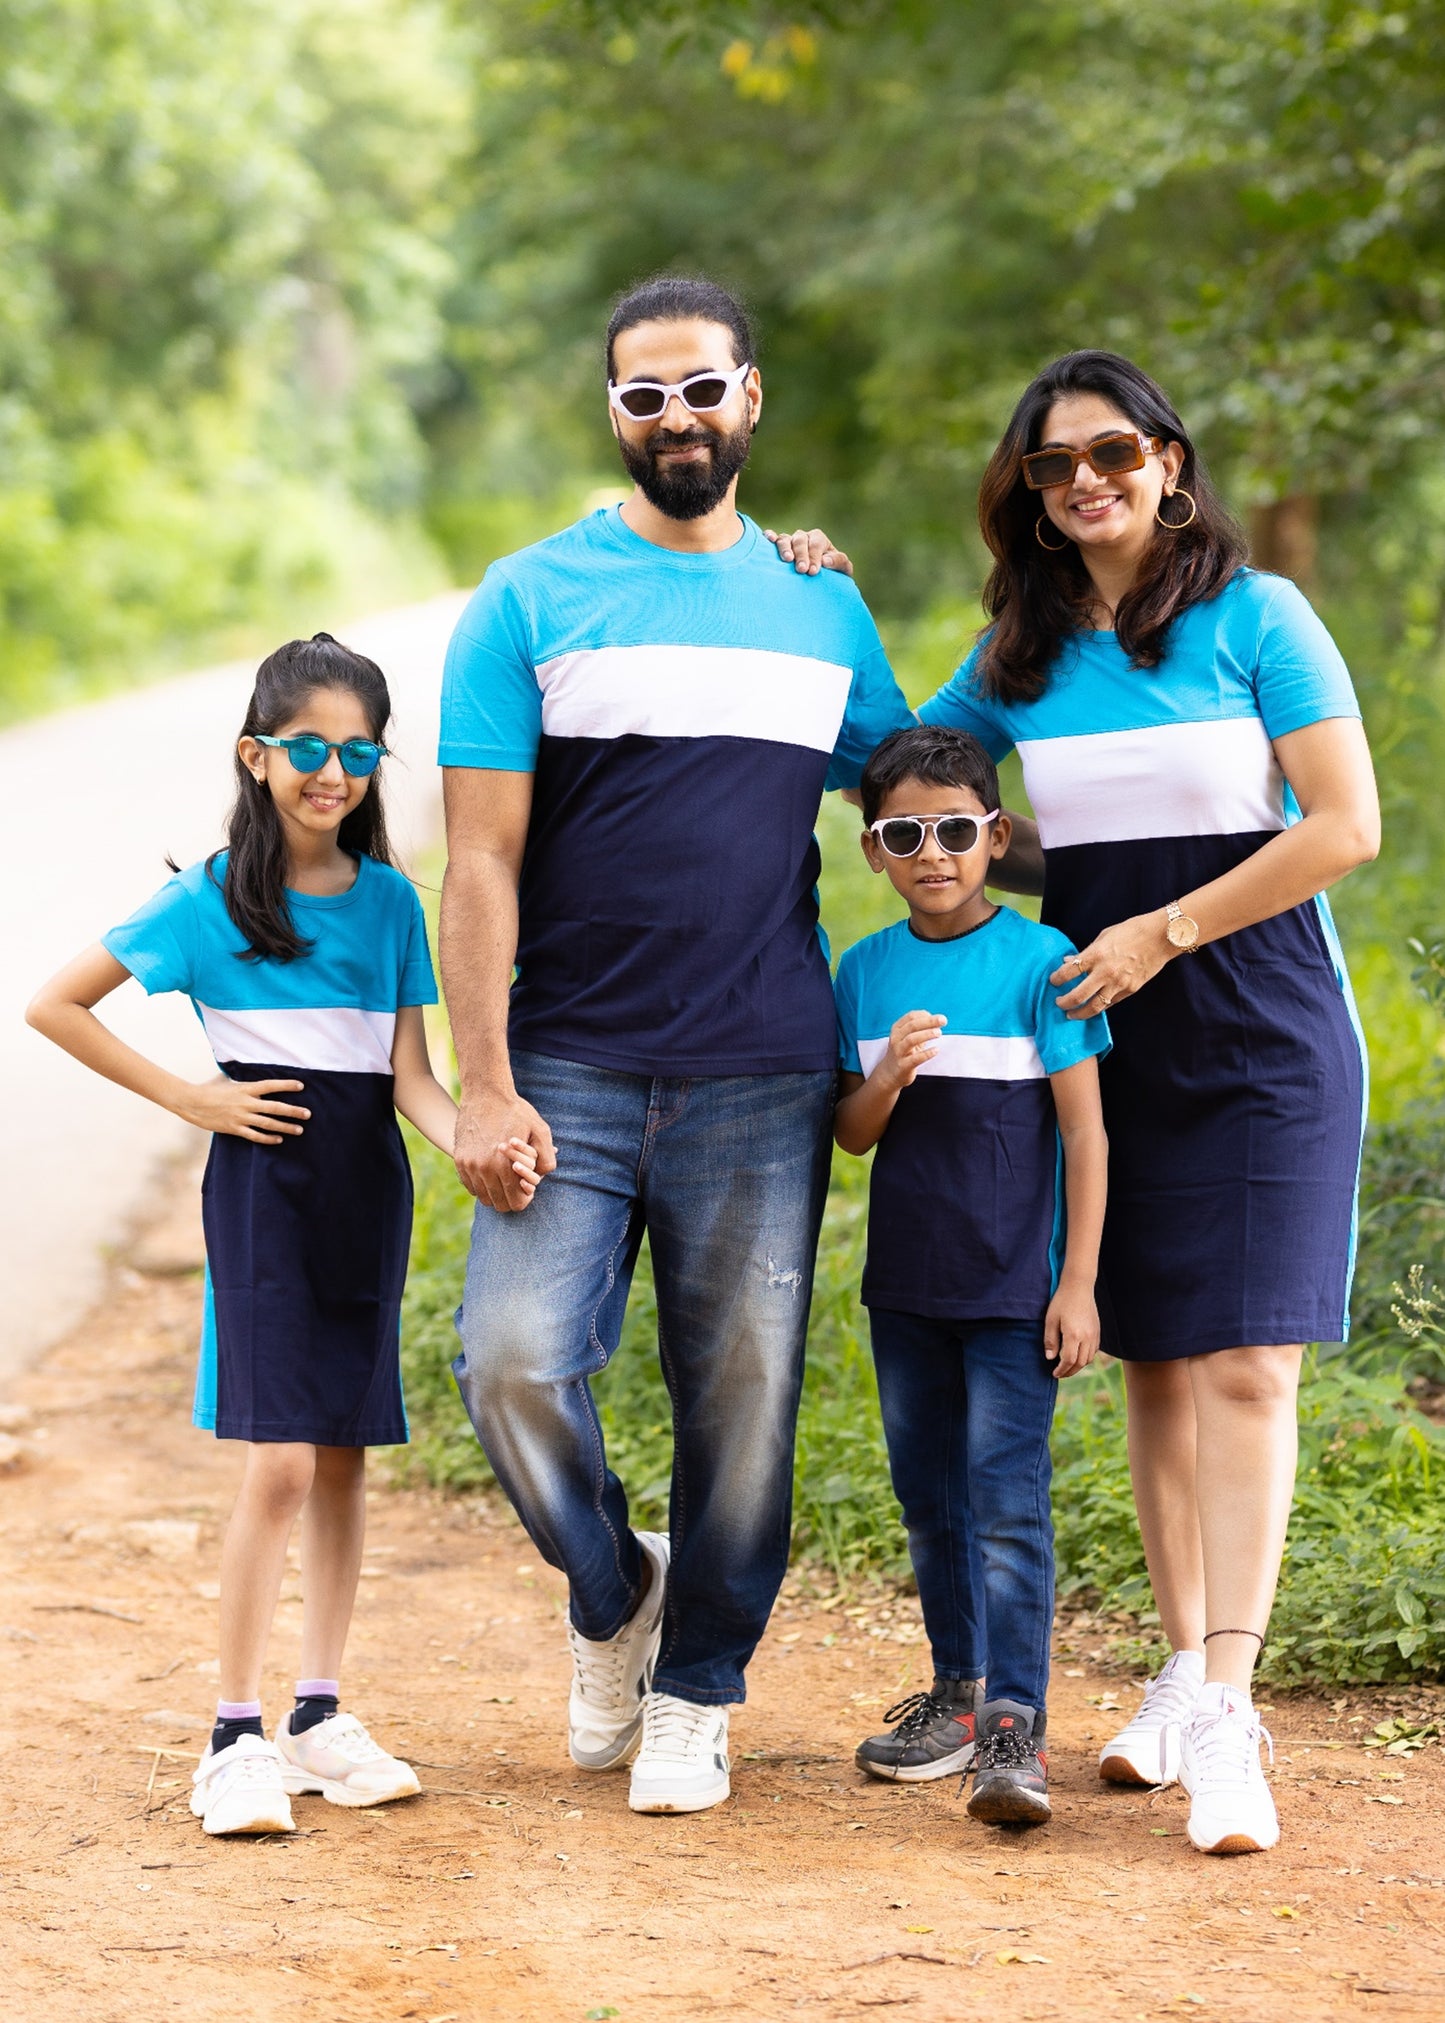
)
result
[(687, 491)]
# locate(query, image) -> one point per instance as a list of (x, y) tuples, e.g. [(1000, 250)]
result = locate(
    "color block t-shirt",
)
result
[(332, 1008), (966, 1204), (682, 715)]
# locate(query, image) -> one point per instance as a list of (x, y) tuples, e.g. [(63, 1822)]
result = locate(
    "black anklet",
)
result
[(1235, 1633)]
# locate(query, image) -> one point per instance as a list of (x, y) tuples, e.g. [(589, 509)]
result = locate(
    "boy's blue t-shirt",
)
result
[(682, 715), (966, 1201), (332, 1008)]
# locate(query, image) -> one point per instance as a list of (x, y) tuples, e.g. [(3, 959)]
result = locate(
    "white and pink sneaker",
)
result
[(338, 1759), (1147, 1750)]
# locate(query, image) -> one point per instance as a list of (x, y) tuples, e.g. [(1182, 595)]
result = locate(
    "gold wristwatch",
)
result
[(1183, 933)]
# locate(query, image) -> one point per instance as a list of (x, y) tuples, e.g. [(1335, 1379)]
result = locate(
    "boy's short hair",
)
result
[(935, 757)]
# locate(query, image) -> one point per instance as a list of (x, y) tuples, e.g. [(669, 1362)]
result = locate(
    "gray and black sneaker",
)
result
[(936, 1735), (1011, 1775)]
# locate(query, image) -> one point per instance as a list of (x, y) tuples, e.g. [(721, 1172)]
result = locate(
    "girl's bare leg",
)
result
[(1162, 1444), (1246, 1406), (275, 1484), (333, 1531)]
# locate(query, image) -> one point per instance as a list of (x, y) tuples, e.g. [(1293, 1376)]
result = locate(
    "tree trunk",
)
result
[(1284, 537)]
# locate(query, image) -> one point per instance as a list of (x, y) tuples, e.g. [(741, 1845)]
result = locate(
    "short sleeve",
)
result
[(1064, 1042), (491, 705), (845, 991), (1300, 675), (875, 707), (417, 984), (159, 943), (959, 706)]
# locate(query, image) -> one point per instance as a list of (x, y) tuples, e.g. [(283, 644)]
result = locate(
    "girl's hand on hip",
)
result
[(245, 1109), (1071, 1329), (1115, 964)]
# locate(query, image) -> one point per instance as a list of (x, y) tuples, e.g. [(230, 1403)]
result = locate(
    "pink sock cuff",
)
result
[(317, 1689), (238, 1710)]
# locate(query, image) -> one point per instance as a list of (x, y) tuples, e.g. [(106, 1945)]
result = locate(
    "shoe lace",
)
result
[(1170, 1697), (250, 1766), (1226, 1746), (352, 1739), (1004, 1748), (915, 1714), (675, 1727), (598, 1668)]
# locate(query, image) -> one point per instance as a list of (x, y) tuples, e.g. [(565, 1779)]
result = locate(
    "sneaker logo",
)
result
[(1006, 1721)]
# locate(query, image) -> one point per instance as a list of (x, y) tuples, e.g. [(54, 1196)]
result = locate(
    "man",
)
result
[(638, 719)]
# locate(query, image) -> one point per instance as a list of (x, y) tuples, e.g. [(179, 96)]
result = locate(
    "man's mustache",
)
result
[(664, 439)]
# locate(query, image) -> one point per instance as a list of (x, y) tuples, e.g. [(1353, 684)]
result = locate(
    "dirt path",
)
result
[(520, 1888)]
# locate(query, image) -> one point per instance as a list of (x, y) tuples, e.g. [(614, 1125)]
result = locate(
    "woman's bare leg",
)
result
[(274, 1486), (1162, 1443), (1246, 1406), (333, 1531)]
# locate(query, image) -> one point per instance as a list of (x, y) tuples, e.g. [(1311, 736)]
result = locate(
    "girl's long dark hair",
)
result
[(255, 882), (1037, 597)]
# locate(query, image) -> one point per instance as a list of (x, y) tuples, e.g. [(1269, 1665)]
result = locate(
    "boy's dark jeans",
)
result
[(967, 1407)]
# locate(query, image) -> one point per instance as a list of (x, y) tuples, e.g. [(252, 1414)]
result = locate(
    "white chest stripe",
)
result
[(338, 1037), (694, 692), (1184, 779), (974, 1057)]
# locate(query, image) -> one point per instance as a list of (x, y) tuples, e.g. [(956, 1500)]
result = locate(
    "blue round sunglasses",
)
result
[(359, 756)]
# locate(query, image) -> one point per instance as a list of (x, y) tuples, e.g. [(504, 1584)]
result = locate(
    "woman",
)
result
[(1192, 748)]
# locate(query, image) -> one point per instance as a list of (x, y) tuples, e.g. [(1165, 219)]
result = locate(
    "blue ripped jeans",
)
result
[(727, 1175)]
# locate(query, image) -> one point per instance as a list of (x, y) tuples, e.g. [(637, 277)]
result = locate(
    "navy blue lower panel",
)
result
[(1233, 1102), (307, 1246), (962, 1201)]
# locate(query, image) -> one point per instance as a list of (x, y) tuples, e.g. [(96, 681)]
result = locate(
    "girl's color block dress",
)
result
[(1234, 1097), (306, 1241)]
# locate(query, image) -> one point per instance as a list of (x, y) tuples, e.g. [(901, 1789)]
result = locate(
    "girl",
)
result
[(305, 954)]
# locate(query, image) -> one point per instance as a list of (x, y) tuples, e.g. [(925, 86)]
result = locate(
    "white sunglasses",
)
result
[(955, 835), (702, 393)]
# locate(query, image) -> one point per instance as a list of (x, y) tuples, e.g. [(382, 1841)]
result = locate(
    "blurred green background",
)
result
[(302, 312)]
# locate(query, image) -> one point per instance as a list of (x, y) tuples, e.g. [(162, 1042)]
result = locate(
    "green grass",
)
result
[(1363, 1593)]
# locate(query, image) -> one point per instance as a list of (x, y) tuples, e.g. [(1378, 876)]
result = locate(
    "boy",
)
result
[(977, 1090)]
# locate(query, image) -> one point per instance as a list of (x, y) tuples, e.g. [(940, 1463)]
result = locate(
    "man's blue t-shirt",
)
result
[(682, 715), (966, 1206), (332, 1008)]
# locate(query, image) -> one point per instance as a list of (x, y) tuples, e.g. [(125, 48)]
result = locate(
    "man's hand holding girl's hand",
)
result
[(503, 1148), (913, 1040), (1071, 1328)]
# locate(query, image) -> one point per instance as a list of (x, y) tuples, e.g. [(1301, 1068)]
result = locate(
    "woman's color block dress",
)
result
[(306, 1241), (1234, 1097)]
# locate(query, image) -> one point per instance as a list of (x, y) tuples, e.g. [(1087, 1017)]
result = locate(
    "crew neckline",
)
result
[(952, 940), (741, 550), (331, 899)]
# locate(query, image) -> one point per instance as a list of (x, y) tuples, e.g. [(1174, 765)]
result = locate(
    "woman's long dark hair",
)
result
[(255, 883), (1037, 597)]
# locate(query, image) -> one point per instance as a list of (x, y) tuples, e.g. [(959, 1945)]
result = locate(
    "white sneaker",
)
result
[(240, 1790), (611, 1680), (1231, 1807), (339, 1759), (682, 1765), (1147, 1750)]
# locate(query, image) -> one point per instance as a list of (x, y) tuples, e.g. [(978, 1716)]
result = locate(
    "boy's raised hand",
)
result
[(912, 1041), (1071, 1329)]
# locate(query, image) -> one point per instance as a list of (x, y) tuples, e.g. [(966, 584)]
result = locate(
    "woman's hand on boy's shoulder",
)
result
[(1071, 1328), (912, 1042)]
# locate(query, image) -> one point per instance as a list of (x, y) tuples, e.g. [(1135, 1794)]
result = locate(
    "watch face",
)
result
[(1183, 932)]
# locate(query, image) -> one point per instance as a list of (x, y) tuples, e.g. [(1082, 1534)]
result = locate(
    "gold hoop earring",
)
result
[(1175, 525), (1049, 547)]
